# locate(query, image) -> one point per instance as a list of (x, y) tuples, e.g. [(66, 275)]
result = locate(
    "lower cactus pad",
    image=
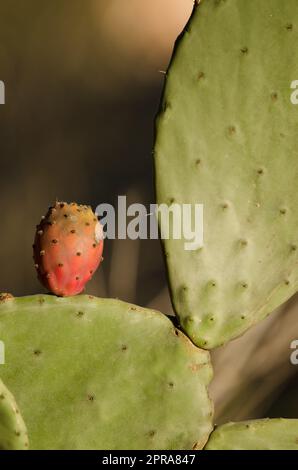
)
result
[(92, 373)]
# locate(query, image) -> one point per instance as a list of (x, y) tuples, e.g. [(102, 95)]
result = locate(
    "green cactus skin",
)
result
[(226, 137), (13, 432), (92, 373), (264, 434)]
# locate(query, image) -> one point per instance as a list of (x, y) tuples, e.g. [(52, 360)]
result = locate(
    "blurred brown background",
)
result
[(83, 83)]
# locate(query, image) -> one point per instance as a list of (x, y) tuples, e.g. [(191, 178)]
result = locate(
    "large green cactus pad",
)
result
[(227, 138), (91, 373), (264, 434), (13, 432)]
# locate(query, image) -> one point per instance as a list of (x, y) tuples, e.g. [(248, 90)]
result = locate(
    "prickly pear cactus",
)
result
[(67, 248), (91, 373), (13, 432), (226, 137), (264, 434)]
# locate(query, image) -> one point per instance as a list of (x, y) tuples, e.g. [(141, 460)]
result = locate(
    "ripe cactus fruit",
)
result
[(226, 137), (264, 434), (67, 248), (13, 432), (93, 373)]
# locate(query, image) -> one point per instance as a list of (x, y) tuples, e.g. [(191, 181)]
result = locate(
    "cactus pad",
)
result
[(226, 137), (13, 433), (92, 373), (264, 434)]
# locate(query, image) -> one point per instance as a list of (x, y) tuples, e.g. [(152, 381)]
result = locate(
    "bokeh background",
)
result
[(83, 83)]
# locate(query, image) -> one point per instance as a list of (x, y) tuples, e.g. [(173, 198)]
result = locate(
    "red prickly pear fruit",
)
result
[(67, 248)]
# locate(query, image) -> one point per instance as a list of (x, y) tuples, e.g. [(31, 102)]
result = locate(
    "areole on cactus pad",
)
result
[(67, 248), (226, 137), (93, 373)]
